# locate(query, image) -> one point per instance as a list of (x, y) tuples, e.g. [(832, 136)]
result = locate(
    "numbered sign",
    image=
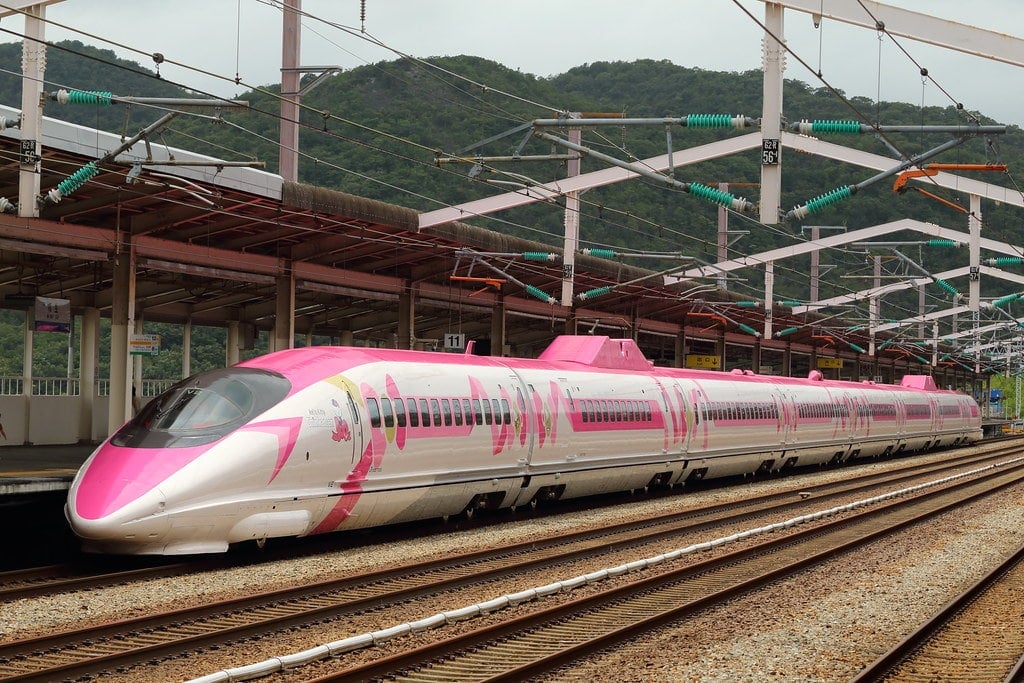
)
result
[(454, 342), (770, 152)]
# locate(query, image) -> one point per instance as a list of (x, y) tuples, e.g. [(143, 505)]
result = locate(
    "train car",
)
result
[(322, 439)]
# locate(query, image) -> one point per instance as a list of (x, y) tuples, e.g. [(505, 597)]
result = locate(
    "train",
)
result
[(323, 439)]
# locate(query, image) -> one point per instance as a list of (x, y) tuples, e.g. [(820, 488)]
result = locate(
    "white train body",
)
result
[(322, 439)]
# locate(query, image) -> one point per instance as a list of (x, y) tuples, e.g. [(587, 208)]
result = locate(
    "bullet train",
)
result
[(322, 439)]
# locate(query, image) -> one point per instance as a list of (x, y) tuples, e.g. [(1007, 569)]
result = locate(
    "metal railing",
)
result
[(71, 386)]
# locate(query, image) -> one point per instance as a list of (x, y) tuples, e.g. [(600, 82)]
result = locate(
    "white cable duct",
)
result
[(352, 643)]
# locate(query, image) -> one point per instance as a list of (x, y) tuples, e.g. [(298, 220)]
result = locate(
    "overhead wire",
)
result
[(238, 80)]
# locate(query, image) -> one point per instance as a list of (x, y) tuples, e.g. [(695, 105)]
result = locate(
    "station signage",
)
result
[(830, 363), (144, 345), (703, 361)]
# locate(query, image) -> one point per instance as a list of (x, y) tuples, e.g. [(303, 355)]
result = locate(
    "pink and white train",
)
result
[(321, 439)]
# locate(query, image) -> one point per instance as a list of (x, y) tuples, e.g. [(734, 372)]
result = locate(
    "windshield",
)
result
[(203, 408)]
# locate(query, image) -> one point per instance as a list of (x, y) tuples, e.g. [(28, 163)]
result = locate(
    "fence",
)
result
[(71, 386)]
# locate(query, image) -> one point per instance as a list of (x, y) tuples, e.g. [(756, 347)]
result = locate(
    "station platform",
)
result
[(31, 470)]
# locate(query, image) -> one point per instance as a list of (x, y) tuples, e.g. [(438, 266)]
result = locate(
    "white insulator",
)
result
[(800, 212), (54, 196), (740, 204), (63, 96), (6, 206), (805, 127), (739, 122)]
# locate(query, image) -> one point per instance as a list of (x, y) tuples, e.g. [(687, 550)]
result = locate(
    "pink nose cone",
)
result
[(115, 477)]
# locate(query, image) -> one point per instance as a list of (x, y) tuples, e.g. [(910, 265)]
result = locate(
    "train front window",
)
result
[(203, 408)]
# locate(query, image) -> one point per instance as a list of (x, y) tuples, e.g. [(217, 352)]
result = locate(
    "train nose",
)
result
[(118, 516)]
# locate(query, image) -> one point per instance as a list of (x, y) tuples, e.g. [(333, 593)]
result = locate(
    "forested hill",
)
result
[(375, 131)]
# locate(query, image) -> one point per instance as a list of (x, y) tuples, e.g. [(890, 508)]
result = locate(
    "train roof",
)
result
[(307, 365)]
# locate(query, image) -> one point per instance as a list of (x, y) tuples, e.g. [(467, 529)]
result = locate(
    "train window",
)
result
[(488, 418), (457, 410), (203, 408), (374, 410), (506, 412), (520, 401), (497, 411), (435, 411), (618, 411), (424, 413), (385, 409), (477, 412), (414, 416), (585, 409), (446, 410), (399, 412), (467, 410)]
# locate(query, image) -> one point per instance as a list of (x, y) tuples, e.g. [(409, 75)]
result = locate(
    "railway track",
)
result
[(96, 573), (977, 637), (151, 639), (541, 642)]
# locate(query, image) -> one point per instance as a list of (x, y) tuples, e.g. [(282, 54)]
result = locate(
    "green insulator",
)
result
[(822, 126), (594, 293), (749, 330), (600, 253), (786, 332), (943, 243), (946, 286), (923, 360), (538, 256), (748, 304), (539, 293), (1008, 260), (836, 195), (855, 328), (90, 97), (1002, 301), (791, 304), (884, 344), (711, 194), (858, 349), (708, 121), (77, 179)]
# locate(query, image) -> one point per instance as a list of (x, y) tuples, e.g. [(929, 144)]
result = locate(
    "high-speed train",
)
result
[(320, 439)]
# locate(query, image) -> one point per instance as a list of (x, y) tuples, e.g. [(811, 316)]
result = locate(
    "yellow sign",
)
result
[(830, 363), (708, 362)]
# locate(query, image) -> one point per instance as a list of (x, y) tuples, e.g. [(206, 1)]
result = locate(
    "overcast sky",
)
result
[(243, 37)]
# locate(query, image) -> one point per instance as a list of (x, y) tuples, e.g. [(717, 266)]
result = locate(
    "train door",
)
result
[(524, 418), (698, 436), (786, 409), (355, 427)]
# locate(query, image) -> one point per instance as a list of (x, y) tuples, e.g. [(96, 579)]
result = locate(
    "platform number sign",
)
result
[(770, 152), (454, 342)]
